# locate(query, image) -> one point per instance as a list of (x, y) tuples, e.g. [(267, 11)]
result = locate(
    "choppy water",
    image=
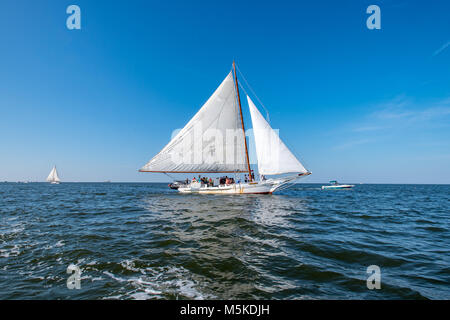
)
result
[(143, 241)]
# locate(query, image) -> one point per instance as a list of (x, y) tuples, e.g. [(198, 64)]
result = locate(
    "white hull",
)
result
[(258, 187), (54, 182), (238, 188)]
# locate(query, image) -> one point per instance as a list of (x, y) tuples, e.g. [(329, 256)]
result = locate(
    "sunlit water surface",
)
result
[(144, 241)]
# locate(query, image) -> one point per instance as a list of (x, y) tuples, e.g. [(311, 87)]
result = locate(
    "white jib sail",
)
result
[(212, 141), (53, 176), (273, 155)]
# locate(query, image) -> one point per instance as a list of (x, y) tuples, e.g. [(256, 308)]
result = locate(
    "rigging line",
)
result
[(170, 176), (267, 112), (296, 154), (253, 92)]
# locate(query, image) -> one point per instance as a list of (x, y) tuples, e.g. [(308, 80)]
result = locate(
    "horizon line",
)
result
[(327, 182)]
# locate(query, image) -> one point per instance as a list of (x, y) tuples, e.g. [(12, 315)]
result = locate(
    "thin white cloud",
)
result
[(414, 113), (368, 128), (352, 143), (442, 48), (401, 112)]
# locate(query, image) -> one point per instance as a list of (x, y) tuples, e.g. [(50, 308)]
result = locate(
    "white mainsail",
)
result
[(272, 154), (53, 176), (212, 141)]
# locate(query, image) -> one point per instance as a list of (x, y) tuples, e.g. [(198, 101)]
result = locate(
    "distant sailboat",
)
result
[(53, 176), (202, 146)]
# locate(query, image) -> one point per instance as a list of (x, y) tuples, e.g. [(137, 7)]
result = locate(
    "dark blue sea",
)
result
[(145, 241)]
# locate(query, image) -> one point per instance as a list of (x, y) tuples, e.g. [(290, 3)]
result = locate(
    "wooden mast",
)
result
[(242, 121)]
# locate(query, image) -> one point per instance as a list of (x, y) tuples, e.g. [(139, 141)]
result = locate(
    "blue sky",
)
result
[(355, 104)]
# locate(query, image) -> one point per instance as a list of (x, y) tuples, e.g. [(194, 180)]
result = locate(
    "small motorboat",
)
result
[(335, 185)]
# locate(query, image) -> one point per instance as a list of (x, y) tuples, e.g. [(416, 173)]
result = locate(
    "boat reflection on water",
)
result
[(224, 238)]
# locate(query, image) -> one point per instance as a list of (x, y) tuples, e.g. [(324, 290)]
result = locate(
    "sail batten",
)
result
[(212, 141), (273, 155)]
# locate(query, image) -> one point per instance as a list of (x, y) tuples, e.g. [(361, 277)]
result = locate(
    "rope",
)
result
[(254, 94), (171, 177), (267, 112)]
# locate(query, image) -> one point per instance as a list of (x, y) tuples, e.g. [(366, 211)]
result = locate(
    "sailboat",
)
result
[(53, 176), (214, 142)]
